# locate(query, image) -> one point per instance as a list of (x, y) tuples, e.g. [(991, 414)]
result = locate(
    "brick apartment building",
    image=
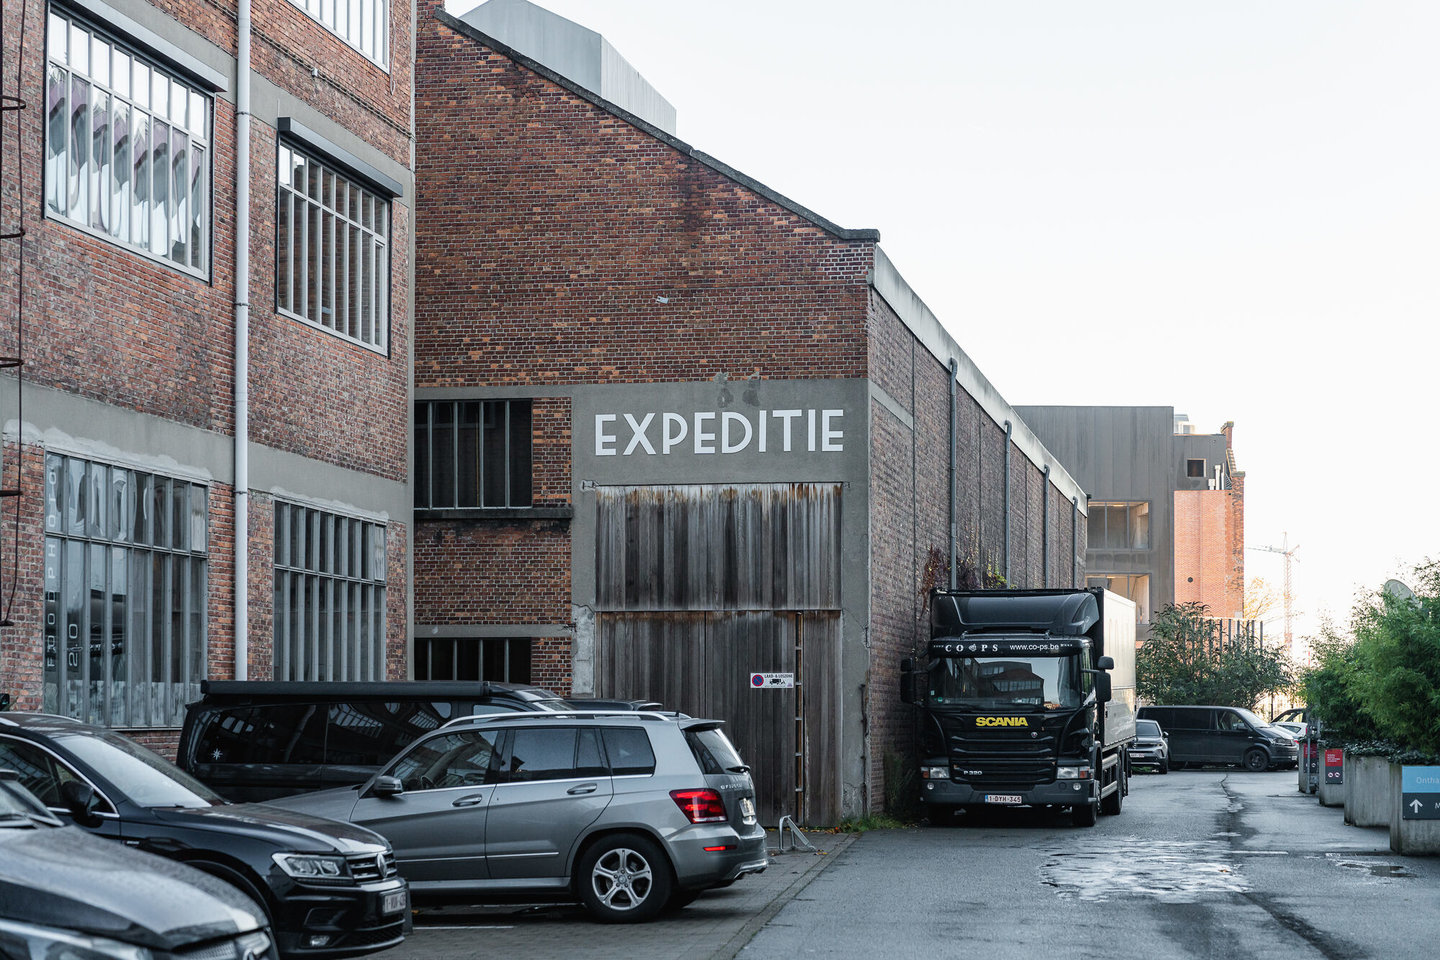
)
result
[(1167, 504), (673, 429), (138, 414)]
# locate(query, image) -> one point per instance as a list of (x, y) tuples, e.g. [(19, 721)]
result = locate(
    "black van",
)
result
[(1222, 735), (258, 740)]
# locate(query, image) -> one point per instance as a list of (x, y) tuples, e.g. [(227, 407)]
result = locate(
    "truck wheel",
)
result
[(1110, 806), (1256, 760), (1084, 814)]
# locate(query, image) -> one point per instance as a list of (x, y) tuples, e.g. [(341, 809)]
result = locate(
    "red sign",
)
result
[(1334, 766)]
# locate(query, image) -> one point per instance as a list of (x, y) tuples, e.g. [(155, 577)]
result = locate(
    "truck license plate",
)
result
[(1002, 798), (393, 902)]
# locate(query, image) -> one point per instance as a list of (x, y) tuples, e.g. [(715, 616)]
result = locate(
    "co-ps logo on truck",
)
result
[(1001, 722)]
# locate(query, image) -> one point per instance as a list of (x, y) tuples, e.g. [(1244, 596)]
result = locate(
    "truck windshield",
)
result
[(1050, 683)]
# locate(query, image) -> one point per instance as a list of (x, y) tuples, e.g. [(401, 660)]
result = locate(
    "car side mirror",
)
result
[(387, 787), (1105, 663), (80, 799), (1102, 688)]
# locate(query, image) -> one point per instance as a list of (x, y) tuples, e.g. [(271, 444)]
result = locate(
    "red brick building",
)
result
[(674, 430), (162, 391)]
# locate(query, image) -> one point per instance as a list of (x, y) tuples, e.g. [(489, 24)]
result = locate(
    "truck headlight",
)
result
[(314, 867), (1072, 773), (935, 773)]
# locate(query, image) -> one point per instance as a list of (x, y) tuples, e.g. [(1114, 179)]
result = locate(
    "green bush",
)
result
[(1185, 661), (1397, 653)]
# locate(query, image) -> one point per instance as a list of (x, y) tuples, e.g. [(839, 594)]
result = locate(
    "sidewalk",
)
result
[(716, 926)]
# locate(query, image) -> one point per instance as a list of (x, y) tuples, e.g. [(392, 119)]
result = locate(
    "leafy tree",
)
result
[(1397, 659), (1330, 689), (1187, 661)]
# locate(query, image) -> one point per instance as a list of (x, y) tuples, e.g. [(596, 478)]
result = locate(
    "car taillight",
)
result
[(700, 806)]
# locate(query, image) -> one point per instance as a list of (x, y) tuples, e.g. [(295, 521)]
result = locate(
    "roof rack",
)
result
[(553, 715)]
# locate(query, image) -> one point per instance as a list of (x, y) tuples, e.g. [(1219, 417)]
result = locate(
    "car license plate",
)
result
[(1003, 798), (747, 809), (394, 902)]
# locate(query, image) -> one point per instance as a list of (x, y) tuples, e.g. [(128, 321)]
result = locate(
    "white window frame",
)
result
[(122, 85), (330, 594), (363, 24), (345, 228), (126, 587)]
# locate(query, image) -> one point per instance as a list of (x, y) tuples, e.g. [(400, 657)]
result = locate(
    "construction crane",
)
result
[(1288, 552)]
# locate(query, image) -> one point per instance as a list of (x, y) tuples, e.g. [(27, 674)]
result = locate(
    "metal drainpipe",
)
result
[(1074, 532), (242, 343), (954, 374), (1045, 529), (1009, 432)]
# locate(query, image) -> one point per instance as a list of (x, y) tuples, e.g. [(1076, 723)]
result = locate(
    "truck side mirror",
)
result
[(1105, 663), (1102, 687)]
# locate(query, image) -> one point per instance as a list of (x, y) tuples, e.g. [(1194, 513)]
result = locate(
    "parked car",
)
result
[(64, 893), (1297, 730), (1151, 749), (257, 740), (628, 813), (328, 889), (1222, 735)]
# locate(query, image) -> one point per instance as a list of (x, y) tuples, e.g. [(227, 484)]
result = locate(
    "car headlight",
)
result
[(26, 942), (313, 867)]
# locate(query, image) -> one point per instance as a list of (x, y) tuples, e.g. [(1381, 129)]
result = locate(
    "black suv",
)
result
[(259, 740), (64, 893), (329, 889)]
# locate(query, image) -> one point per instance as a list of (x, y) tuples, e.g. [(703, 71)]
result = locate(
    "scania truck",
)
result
[(1025, 698)]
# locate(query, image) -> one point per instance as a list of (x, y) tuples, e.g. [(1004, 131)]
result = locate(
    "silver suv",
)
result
[(630, 813)]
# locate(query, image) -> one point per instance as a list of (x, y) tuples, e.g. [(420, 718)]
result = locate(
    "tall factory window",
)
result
[(127, 146), (364, 24), (472, 454), (329, 596), (332, 250), (1119, 526), (125, 593)]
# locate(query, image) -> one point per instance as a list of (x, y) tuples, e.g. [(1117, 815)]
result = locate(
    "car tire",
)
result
[(1164, 767), (1085, 814), (624, 878), (1256, 760)]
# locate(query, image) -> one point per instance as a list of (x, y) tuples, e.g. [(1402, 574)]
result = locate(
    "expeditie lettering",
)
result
[(719, 432)]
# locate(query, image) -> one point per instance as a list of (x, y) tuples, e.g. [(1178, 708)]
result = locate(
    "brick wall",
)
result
[(1204, 555)]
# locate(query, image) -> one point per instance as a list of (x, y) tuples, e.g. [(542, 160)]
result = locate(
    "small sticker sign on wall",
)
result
[(772, 681)]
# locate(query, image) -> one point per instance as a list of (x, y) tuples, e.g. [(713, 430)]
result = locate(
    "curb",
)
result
[(736, 943)]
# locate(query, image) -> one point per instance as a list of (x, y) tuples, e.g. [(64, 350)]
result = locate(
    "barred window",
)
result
[(472, 454), (125, 593), (127, 147), (329, 596), (505, 659), (333, 260), (364, 24)]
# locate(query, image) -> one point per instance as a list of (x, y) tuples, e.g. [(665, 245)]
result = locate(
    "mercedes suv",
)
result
[(627, 812)]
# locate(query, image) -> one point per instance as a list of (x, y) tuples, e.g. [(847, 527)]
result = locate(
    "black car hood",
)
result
[(287, 829), (66, 878)]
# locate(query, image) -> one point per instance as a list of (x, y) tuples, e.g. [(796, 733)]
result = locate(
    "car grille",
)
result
[(252, 946), (368, 867), (373, 937)]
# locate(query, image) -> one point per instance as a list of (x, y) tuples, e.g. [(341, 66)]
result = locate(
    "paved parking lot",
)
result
[(715, 926)]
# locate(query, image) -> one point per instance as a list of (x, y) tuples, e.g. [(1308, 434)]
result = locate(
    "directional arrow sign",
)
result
[(1420, 793)]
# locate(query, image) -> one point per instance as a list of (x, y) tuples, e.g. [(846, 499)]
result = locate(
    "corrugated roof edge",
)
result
[(749, 183)]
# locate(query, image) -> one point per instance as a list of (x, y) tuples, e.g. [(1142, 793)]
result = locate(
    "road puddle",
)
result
[(1169, 871), (1378, 870)]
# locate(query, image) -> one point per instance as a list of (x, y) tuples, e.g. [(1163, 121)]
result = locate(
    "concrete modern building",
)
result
[(1167, 504), (678, 437), (205, 437)]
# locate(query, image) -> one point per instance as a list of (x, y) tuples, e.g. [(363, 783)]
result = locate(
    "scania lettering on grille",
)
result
[(1001, 722)]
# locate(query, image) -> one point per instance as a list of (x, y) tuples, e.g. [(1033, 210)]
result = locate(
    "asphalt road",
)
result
[(1200, 864)]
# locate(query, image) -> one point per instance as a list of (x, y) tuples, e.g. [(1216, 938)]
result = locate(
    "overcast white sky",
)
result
[(1231, 208)]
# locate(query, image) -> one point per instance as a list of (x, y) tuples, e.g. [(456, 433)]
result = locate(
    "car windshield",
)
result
[(146, 778), (1046, 682), (1147, 728), (1252, 719)]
